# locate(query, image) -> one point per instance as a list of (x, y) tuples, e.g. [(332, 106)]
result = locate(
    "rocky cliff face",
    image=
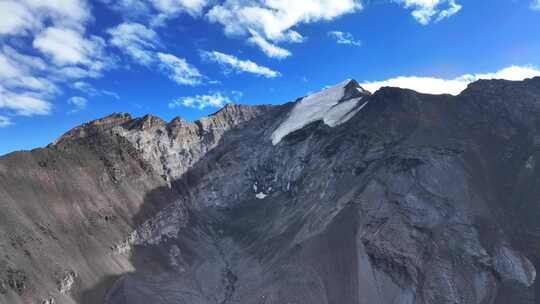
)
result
[(339, 197)]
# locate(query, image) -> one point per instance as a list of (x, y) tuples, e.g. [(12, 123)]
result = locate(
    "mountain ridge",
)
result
[(475, 84)]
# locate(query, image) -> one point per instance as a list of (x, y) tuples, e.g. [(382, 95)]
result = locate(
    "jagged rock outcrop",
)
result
[(170, 148), (340, 197)]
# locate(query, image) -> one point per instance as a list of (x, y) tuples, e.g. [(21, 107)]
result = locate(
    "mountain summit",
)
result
[(342, 196), (334, 106)]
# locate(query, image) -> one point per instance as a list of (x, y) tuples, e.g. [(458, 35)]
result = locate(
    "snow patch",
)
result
[(323, 105), (336, 114), (261, 195), (530, 164)]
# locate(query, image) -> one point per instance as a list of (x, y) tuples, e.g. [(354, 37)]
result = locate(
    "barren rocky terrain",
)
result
[(342, 196)]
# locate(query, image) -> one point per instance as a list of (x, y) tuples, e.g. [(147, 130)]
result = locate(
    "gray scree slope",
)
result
[(385, 198)]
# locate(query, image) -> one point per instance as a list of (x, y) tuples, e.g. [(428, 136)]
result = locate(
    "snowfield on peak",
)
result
[(327, 105)]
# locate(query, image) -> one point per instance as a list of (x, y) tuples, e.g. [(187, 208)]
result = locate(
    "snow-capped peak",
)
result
[(333, 105)]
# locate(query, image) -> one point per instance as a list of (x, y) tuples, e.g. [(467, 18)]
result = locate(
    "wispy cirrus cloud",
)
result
[(110, 93), (69, 47), (230, 63), (24, 88), (535, 5), (179, 70), (85, 87), (5, 121), (266, 23), (78, 103), (344, 38), (90, 90), (24, 103), (25, 17), (270, 49), (136, 40), (454, 86), (426, 11), (157, 12), (21, 72), (16, 18), (201, 102), (142, 45)]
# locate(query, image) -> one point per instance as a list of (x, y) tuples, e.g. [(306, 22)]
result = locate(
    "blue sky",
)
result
[(65, 62)]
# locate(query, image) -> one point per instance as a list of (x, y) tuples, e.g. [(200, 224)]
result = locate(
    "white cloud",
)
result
[(431, 85), (237, 95), (22, 17), (56, 29), (510, 73), (78, 103), (22, 92), (424, 11), (25, 60), (16, 73), (344, 38), (85, 87), (73, 55), (4, 121), (45, 45), (536, 4), (270, 49), (111, 94), (15, 18), (64, 12), (427, 85), (141, 43), (7, 69), (24, 104), (69, 47), (179, 70), (231, 63), (274, 20), (215, 100), (453, 9), (136, 40), (171, 7), (157, 12), (90, 90), (74, 72), (130, 9), (266, 24)]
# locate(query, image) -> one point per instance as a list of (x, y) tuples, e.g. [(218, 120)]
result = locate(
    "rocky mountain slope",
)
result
[(339, 197)]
